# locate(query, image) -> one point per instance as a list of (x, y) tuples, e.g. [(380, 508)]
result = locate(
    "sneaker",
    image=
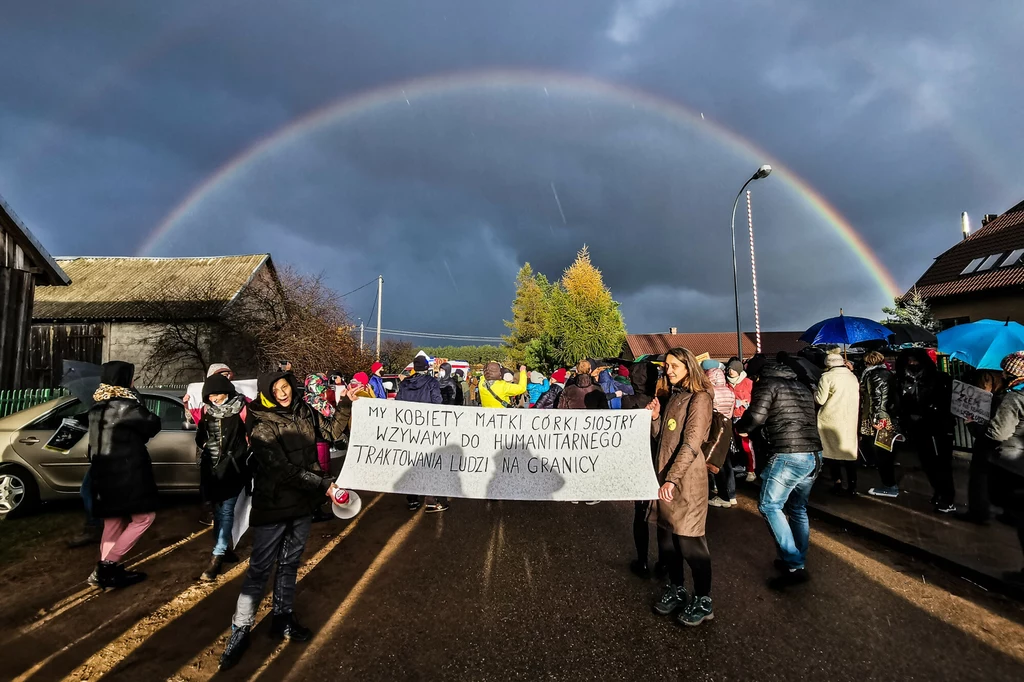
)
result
[(945, 508), (206, 518), (213, 570), (671, 599), (414, 505), (885, 491), (733, 502), (718, 502), (794, 576), (238, 642), (285, 626), (696, 612), (436, 507), (751, 477), (640, 569)]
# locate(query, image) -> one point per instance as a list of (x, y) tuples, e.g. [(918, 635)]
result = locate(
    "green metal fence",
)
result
[(15, 401), (962, 438)]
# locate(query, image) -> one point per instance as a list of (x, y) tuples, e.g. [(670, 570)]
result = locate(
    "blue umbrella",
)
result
[(982, 344), (845, 330)]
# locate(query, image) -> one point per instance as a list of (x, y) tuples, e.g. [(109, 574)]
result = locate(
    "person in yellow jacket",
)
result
[(495, 392)]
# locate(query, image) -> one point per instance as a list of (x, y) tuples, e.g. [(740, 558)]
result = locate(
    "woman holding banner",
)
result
[(681, 510)]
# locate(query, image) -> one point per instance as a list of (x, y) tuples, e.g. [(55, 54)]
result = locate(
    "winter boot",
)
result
[(285, 626), (124, 578), (211, 573), (230, 557), (238, 643)]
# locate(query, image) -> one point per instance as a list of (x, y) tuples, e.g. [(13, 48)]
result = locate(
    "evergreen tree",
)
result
[(584, 321), (911, 310), (529, 318)]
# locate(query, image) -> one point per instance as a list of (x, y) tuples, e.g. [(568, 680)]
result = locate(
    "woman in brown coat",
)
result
[(681, 428)]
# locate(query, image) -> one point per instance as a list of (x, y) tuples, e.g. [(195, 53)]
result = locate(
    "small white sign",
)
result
[(971, 403)]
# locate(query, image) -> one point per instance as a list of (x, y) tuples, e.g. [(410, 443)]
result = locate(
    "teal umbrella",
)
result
[(982, 344)]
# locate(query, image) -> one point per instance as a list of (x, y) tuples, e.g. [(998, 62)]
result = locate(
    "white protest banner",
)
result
[(418, 449), (246, 387), (971, 403)]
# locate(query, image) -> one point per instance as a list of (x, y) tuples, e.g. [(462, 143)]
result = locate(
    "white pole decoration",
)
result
[(753, 274)]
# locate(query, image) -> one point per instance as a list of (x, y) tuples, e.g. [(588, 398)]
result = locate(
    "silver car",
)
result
[(31, 473)]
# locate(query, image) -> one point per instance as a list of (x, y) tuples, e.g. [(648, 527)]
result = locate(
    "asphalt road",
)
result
[(518, 591)]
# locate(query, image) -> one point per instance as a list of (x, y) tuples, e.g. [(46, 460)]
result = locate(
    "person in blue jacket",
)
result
[(376, 383), (537, 387)]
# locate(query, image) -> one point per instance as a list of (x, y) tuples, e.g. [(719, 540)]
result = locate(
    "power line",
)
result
[(372, 281), (435, 335)]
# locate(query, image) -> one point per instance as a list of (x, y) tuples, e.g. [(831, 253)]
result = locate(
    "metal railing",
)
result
[(12, 401)]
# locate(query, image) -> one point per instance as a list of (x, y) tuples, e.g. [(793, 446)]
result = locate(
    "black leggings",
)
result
[(641, 530), (677, 549)]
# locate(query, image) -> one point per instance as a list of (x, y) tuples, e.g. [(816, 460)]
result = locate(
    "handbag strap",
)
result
[(504, 403)]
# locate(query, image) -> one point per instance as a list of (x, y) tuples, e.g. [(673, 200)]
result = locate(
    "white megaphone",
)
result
[(346, 503)]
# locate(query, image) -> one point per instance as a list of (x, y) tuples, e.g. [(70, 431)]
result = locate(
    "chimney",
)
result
[(989, 217), (673, 330), (965, 224)]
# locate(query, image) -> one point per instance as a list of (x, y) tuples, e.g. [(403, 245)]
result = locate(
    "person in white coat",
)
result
[(838, 394)]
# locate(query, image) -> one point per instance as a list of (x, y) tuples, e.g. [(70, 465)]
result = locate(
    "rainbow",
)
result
[(497, 79)]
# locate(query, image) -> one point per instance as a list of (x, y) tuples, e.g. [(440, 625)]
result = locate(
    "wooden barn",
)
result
[(24, 265)]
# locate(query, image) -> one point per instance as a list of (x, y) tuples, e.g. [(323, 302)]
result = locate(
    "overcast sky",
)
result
[(525, 130)]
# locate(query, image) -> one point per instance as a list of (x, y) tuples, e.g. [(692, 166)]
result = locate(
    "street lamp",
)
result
[(762, 172)]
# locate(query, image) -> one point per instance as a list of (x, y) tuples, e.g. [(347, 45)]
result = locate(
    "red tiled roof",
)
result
[(1001, 236), (719, 345)]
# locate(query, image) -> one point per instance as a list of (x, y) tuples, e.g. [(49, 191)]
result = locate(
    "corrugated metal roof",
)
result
[(1001, 236), (719, 345), (114, 288)]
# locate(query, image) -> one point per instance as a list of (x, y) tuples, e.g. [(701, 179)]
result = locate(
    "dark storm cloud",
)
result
[(901, 117)]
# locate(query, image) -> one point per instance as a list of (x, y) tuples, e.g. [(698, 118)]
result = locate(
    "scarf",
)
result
[(108, 392), (229, 409), (735, 381), (316, 394)]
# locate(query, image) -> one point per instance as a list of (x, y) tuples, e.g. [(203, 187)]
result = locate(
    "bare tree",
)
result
[(295, 317), (396, 355)]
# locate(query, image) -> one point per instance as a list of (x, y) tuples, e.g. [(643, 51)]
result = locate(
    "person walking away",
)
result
[(613, 390), (783, 409), (497, 392), (741, 387), (460, 377), (549, 400), (123, 488), (451, 391), (725, 405), (644, 380), (924, 397), (422, 388), (376, 383), (582, 393), (681, 510), (288, 487), (536, 387), (838, 394), (222, 448), (1006, 431), (877, 410)]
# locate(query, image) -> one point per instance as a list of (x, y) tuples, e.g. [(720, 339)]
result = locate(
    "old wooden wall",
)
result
[(51, 344)]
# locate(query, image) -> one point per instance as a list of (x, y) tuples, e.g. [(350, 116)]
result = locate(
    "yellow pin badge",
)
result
[(671, 424)]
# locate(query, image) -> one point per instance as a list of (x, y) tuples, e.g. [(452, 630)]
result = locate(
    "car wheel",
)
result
[(19, 494)]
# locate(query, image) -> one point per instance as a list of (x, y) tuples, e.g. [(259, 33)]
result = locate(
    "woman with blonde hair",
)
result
[(681, 428)]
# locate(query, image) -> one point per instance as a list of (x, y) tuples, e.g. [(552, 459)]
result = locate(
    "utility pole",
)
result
[(362, 328), (380, 304)]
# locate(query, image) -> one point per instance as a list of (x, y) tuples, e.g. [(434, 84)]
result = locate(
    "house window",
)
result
[(1013, 258), (972, 266), (989, 262)]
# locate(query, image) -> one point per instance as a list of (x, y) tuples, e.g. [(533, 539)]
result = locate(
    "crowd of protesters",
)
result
[(781, 420)]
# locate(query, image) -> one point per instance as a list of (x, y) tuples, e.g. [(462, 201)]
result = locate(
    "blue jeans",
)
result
[(279, 544), (223, 520), (787, 483)]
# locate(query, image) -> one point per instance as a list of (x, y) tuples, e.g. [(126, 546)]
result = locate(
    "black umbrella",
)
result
[(910, 333), (81, 379)]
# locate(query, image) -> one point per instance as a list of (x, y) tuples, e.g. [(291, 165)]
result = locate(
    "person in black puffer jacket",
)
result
[(925, 417), (288, 487), (222, 448), (878, 408), (451, 390), (123, 488), (549, 399), (783, 408)]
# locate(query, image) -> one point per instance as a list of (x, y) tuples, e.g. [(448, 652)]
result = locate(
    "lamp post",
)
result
[(762, 172)]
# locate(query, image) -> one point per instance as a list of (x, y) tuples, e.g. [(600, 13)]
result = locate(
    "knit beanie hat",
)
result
[(735, 366), (623, 371), (375, 367), (362, 378), (710, 364), (1013, 364), (558, 376), (217, 383), (217, 368), (420, 363)]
